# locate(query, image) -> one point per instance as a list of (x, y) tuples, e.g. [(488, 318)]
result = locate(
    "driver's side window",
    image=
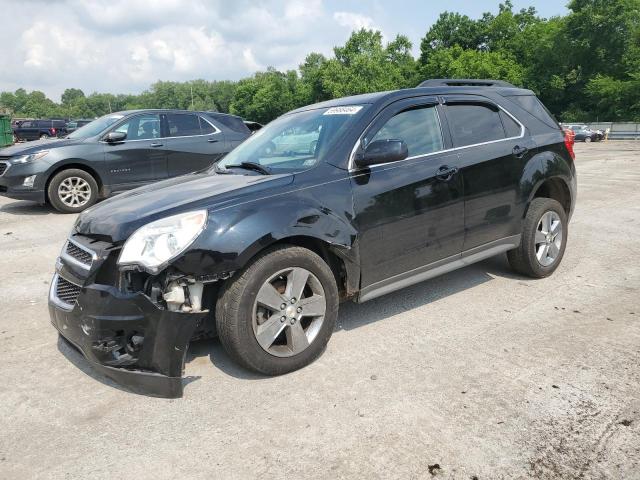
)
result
[(141, 127), (418, 127)]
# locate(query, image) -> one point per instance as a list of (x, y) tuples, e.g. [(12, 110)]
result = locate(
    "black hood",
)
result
[(27, 148), (118, 217)]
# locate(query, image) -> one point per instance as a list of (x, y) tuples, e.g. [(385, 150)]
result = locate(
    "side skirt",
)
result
[(440, 267)]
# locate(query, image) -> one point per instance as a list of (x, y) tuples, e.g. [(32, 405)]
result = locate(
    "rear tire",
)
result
[(72, 191), (544, 238), (286, 336)]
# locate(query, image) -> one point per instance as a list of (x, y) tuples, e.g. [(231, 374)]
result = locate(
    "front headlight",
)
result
[(156, 243), (30, 158)]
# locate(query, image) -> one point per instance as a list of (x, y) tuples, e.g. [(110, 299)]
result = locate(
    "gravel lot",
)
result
[(479, 373)]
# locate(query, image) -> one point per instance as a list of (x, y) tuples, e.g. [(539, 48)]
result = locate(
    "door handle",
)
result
[(212, 140), (445, 173), (519, 151), (155, 144)]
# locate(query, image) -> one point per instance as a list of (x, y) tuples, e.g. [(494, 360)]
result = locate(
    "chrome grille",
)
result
[(67, 292), (81, 255)]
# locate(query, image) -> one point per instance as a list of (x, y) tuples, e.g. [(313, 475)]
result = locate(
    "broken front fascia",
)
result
[(129, 338), (120, 320)]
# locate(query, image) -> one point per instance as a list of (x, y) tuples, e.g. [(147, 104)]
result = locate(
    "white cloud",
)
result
[(124, 46), (354, 21)]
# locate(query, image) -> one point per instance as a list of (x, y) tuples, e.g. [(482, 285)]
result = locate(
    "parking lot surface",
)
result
[(476, 374)]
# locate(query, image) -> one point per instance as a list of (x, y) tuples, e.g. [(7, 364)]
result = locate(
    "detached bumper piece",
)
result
[(124, 336)]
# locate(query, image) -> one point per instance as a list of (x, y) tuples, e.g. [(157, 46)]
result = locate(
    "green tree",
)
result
[(71, 95), (455, 62), (364, 65), (265, 96)]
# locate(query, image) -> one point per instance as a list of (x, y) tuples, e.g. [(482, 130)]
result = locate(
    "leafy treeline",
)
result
[(584, 66)]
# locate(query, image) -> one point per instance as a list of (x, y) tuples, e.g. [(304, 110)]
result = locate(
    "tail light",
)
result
[(53, 131), (569, 140)]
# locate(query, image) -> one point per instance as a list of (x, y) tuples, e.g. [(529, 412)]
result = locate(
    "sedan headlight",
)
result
[(30, 158), (156, 243)]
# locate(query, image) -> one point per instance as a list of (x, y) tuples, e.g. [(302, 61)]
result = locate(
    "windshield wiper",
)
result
[(256, 167)]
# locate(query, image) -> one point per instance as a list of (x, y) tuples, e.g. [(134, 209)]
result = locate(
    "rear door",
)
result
[(193, 143), (141, 157), (409, 213), (493, 151)]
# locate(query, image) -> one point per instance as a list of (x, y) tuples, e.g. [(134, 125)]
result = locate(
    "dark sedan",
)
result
[(115, 153), (584, 134)]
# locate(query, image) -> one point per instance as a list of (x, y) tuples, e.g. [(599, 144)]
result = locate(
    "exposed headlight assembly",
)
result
[(30, 158), (156, 243)]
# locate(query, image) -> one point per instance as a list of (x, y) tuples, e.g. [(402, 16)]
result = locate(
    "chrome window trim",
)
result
[(65, 256), (53, 297), (352, 167), (216, 131), (8, 164)]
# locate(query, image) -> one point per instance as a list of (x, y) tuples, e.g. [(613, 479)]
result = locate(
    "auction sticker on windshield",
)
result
[(348, 110)]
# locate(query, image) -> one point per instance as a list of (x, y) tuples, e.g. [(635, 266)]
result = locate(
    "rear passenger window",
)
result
[(205, 127), (511, 127), (535, 107), (419, 128), (471, 124), (183, 125)]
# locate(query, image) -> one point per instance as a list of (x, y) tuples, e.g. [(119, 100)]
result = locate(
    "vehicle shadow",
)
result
[(23, 207), (351, 316), (354, 315)]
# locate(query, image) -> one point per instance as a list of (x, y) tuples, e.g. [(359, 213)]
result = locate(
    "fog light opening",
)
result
[(29, 181)]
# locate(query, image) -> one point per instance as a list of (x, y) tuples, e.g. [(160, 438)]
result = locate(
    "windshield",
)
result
[(95, 127), (293, 142)]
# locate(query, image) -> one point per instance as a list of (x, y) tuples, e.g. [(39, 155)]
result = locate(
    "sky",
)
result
[(123, 46)]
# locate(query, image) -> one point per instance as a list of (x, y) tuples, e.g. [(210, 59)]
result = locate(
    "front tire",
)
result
[(587, 139), (72, 191), (278, 314), (544, 238), (44, 136)]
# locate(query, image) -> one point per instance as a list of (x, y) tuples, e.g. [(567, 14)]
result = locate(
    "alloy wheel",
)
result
[(74, 192), (288, 312), (548, 240)]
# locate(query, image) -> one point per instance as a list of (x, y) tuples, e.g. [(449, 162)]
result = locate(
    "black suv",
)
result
[(117, 152), (39, 129), (348, 199)]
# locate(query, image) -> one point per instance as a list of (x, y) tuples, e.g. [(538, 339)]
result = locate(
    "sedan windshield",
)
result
[(293, 142), (95, 127)]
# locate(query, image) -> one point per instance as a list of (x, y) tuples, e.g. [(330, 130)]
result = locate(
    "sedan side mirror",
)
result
[(115, 137), (383, 151)]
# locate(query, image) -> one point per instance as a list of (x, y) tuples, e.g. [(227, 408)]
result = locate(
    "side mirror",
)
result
[(383, 151), (115, 137)]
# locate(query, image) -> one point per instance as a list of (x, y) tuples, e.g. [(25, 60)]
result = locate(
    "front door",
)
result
[(193, 143), (141, 158), (409, 213)]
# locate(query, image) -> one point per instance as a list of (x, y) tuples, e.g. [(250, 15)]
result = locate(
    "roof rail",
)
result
[(464, 82)]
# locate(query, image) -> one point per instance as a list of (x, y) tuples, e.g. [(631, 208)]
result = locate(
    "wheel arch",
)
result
[(68, 166), (338, 257), (555, 188)]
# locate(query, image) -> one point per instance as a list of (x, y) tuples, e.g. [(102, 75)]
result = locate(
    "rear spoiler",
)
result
[(465, 82)]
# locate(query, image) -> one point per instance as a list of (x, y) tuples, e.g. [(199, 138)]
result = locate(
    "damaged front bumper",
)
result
[(125, 336)]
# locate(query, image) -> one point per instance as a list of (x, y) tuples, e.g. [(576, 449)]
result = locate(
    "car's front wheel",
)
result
[(587, 139), (72, 191), (544, 237), (44, 136), (278, 314)]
